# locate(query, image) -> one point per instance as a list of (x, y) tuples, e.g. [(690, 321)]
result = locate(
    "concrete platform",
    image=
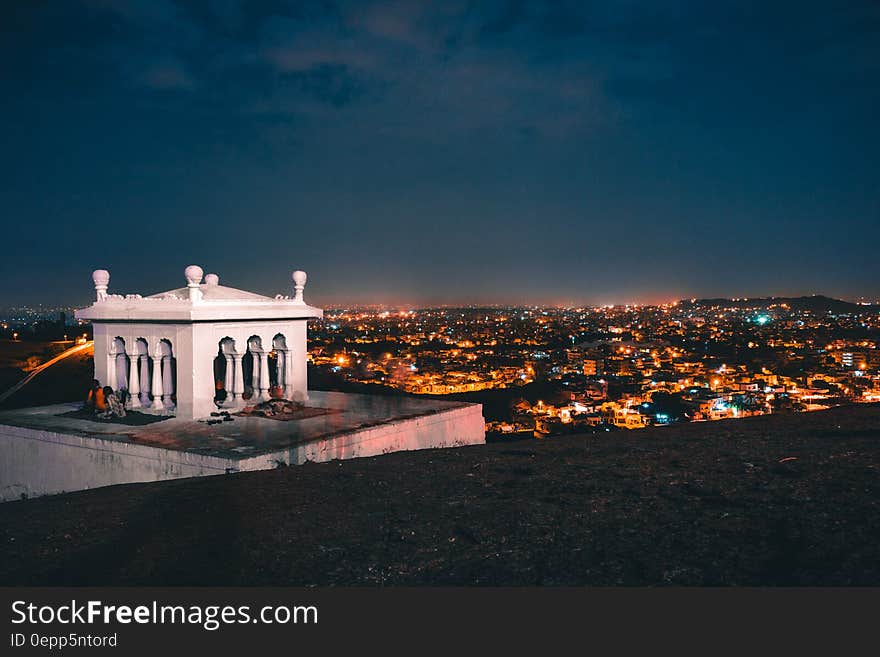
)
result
[(45, 453)]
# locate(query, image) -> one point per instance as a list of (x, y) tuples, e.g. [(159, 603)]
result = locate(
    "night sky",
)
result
[(442, 152)]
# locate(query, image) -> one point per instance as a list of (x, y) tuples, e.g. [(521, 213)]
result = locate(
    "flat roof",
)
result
[(245, 436), (152, 309)]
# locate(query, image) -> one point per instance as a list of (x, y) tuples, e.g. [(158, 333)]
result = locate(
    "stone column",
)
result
[(229, 378), (157, 383), (264, 376), (238, 378), (167, 382), (134, 385), (145, 380)]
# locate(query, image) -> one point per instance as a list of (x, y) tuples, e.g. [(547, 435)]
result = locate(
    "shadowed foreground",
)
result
[(779, 500)]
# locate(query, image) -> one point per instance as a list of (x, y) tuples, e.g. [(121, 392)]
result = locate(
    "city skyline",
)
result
[(52, 308), (436, 152)]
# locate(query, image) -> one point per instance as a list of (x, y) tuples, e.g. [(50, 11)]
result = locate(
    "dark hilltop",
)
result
[(816, 303), (773, 500)]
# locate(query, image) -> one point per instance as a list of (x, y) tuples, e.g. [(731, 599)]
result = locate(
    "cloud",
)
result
[(302, 52), (423, 63), (398, 21), (402, 65), (167, 76)]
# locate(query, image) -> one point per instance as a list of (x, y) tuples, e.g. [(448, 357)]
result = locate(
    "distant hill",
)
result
[(817, 303)]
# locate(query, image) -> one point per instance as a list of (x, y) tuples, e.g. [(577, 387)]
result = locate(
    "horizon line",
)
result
[(555, 303)]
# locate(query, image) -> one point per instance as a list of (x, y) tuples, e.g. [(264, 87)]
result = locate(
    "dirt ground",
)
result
[(778, 500)]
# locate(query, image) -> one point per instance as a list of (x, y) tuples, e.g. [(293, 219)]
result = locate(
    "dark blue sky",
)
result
[(441, 152)]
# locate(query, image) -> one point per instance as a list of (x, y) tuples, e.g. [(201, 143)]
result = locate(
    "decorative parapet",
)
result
[(198, 301), (108, 298)]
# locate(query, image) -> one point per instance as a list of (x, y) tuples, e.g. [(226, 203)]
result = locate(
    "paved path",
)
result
[(64, 354)]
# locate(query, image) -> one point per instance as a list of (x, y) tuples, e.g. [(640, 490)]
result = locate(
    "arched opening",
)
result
[(273, 372), (247, 367), (146, 371), (165, 355), (118, 366), (279, 366)]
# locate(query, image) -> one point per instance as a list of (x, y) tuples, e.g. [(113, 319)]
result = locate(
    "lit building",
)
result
[(592, 367)]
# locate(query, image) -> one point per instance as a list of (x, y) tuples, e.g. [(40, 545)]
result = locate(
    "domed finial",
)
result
[(299, 282), (212, 279), (101, 278), (194, 275)]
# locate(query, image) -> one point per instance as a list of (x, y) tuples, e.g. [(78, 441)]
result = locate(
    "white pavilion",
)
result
[(173, 350)]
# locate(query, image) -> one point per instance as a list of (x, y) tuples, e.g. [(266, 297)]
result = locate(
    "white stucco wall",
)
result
[(453, 428), (40, 462)]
